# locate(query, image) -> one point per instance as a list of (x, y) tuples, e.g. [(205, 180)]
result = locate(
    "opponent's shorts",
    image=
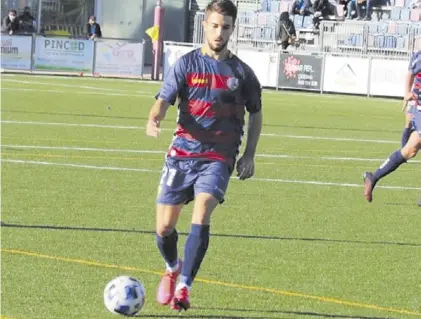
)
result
[(181, 180), (415, 109)]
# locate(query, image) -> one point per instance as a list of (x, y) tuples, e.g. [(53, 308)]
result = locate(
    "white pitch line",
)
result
[(77, 92), (116, 150), (344, 139), (96, 88), (284, 181)]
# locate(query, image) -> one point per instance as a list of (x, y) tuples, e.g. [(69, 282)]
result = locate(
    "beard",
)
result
[(219, 48)]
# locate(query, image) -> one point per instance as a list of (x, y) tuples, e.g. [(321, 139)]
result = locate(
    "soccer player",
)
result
[(411, 137), (215, 89)]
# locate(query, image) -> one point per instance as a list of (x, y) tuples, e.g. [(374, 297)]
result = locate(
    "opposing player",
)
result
[(215, 89), (411, 137)]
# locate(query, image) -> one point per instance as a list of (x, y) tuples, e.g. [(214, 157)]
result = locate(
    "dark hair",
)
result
[(13, 11), (224, 7)]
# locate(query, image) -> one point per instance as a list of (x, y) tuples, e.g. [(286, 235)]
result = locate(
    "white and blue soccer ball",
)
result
[(124, 295)]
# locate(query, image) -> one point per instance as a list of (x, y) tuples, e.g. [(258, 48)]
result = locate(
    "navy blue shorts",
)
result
[(415, 110), (181, 180)]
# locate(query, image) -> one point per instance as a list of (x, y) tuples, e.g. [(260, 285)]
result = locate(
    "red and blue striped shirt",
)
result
[(213, 98)]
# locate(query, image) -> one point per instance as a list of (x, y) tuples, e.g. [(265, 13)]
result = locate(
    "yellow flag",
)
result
[(153, 33)]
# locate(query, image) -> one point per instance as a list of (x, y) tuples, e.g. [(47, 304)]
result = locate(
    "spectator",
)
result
[(287, 33), (322, 10), (358, 6), (93, 29), (27, 21), (301, 7), (11, 23)]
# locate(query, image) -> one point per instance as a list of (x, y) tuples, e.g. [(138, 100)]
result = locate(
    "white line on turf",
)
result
[(96, 88), (77, 92), (275, 180), (303, 137), (116, 150)]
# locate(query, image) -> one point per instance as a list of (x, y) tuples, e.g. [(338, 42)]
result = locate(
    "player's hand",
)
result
[(153, 129), (408, 97), (245, 167)]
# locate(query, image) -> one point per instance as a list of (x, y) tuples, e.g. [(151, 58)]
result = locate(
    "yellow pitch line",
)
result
[(219, 283)]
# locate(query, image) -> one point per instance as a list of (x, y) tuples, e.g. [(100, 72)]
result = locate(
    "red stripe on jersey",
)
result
[(176, 152), (200, 108), (212, 80), (218, 81)]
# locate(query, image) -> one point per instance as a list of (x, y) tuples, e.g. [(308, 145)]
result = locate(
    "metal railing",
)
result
[(70, 16), (391, 39)]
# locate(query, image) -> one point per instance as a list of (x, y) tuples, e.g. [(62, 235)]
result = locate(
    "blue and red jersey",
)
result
[(213, 98), (415, 69)]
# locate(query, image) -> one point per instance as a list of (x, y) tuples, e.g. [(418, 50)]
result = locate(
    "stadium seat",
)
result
[(307, 22), (415, 15), (390, 42), (373, 28), (400, 43), (395, 13), (405, 14), (392, 28), (298, 21), (400, 3)]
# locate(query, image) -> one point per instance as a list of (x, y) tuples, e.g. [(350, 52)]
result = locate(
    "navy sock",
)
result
[(391, 164), (194, 252), (167, 246), (405, 135)]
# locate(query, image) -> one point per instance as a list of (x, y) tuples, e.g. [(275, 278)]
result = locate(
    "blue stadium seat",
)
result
[(308, 21), (395, 13), (405, 14), (298, 21), (379, 41), (390, 42), (373, 28), (400, 44), (402, 29)]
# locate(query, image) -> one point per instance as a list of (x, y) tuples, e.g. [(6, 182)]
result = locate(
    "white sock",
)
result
[(182, 285), (173, 269)]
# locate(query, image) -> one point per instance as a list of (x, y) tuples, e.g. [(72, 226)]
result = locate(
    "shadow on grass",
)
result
[(241, 236)]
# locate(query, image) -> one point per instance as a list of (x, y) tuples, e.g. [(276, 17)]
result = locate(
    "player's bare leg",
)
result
[(409, 151), (195, 249), (166, 238)]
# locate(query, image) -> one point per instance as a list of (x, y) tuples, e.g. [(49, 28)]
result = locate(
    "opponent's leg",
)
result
[(210, 189), (391, 164)]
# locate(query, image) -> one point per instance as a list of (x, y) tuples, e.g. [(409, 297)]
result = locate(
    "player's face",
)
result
[(218, 29)]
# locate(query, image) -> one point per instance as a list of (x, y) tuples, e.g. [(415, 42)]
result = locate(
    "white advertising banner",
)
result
[(16, 52), (264, 65), (346, 75), (173, 52), (59, 54), (388, 77), (119, 57)]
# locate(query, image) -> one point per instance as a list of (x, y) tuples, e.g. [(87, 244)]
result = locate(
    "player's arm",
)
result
[(253, 133), (167, 96), (409, 81), (245, 166)]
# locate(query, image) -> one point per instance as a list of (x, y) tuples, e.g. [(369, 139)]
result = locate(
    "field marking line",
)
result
[(132, 127), (75, 92), (218, 283), (96, 88), (284, 181), (263, 155)]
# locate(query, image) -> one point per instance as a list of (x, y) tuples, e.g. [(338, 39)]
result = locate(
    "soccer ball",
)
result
[(124, 295)]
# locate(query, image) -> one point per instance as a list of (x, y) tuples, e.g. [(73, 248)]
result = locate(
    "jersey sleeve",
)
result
[(415, 63), (252, 92), (173, 82)]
